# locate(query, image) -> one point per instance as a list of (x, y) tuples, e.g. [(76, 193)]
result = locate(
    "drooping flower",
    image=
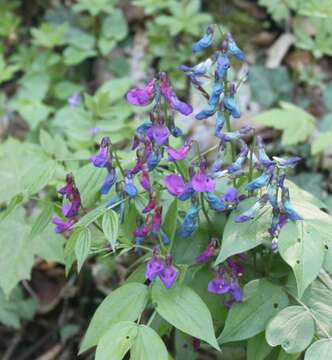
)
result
[(142, 96), (215, 202), (155, 266), (262, 156), (230, 105), (287, 163), (152, 203), (252, 211), (272, 192), (231, 196), (102, 158), (181, 153), (208, 253), (159, 134), (197, 71), (129, 187), (190, 222), (169, 273), (169, 94), (69, 188), (235, 135), (241, 158), (261, 180), (109, 181), (157, 218), (144, 179), (187, 193), (71, 209), (223, 64), (219, 124), (62, 226), (205, 41), (174, 184), (153, 160), (287, 207), (233, 49)]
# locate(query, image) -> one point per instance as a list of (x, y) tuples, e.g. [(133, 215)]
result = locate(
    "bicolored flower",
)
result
[(261, 180), (233, 49), (174, 184), (241, 158), (235, 135), (109, 181), (262, 156), (252, 211), (231, 196), (152, 203), (205, 41), (287, 207), (102, 158), (272, 192), (287, 163), (138, 165), (187, 193), (142, 96), (169, 94), (159, 134), (181, 153), (207, 254), (197, 71), (169, 273), (62, 226), (190, 222), (155, 266), (231, 107)]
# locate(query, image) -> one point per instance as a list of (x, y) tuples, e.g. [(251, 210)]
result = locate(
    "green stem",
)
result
[(205, 212), (151, 318), (251, 166), (118, 163)]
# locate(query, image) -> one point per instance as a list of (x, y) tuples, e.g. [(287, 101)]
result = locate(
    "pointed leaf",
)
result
[(110, 225), (82, 247), (169, 225)]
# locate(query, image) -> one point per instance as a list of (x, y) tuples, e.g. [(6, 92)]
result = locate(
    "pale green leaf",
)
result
[(262, 300), (82, 247), (293, 328), (319, 350), (110, 225), (323, 142), (258, 348)]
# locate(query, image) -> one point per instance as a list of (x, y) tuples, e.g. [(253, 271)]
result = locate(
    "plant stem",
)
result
[(251, 167), (118, 163), (205, 212), (151, 318)]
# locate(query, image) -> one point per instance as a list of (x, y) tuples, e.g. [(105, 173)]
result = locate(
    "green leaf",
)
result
[(297, 125), (169, 224), (125, 303), (285, 356), (262, 300), (42, 221), (117, 341), (74, 56), (293, 328), (258, 348), (69, 251), (91, 216), (39, 176), (147, 345), (185, 310), (240, 237), (110, 226), (319, 350), (321, 143), (300, 246), (82, 247)]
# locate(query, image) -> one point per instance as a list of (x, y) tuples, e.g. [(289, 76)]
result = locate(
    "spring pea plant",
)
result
[(221, 251)]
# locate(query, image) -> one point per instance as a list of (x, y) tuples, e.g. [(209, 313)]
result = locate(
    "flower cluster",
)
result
[(70, 208), (197, 184)]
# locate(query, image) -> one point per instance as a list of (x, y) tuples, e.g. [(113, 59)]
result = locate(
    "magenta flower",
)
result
[(157, 218), (201, 182), (169, 273), (142, 96), (207, 253), (174, 184), (159, 134), (169, 94), (152, 203), (62, 226), (102, 158), (155, 266), (181, 153), (144, 179)]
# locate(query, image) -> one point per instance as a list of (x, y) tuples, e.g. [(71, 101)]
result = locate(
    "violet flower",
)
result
[(109, 181), (69, 188), (159, 134), (223, 64), (169, 94), (62, 226), (142, 96), (169, 273), (233, 49), (197, 71), (75, 100), (202, 182), (190, 222), (144, 179), (174, 184), (102, 158), (157, 218), (152, 203), (231, 196), (71, 209), (205, 41), (287, 207), (262, 156), (181, 153), (215, 202), (241, 158), (252, 211), (287, 163), (236, 135), (207, 254), (261, 180), (219, 285), (155, 266)]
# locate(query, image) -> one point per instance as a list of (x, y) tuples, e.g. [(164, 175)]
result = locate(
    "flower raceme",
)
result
[(161, 164)]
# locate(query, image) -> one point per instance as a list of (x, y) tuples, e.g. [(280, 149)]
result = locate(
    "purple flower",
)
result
[(231, 136), (70, 210), (159, 134), (176, 132), (69, 188), (287, 207), (174, 184), (262, 156), (205, 41), (201, 182), (197, 71), (109, 181), (157, 218), (251, 212), (187, 193), (235, 290), (75, 100), (102, 158), (138, 166), (261, 180), (223, 64), (144, 179), (286, 163), (155, 266), (241, 158), (231, 195), (207, 253), (233, 49), (169, 273), (181, 153), (62, 226), (152, 203), (142, 96), (219, 285), (170, 96)]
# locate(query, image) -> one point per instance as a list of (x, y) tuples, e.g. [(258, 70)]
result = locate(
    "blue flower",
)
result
[(262, 156), (235, 135), (197, 71), (129, 188), (205, 41), (287, 207), (260, 181), (241, 158), (252, 211), (219, 124), (110, 180), (215, 202), (190, 222), (230, 105), (223, 65), (233, 49)]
